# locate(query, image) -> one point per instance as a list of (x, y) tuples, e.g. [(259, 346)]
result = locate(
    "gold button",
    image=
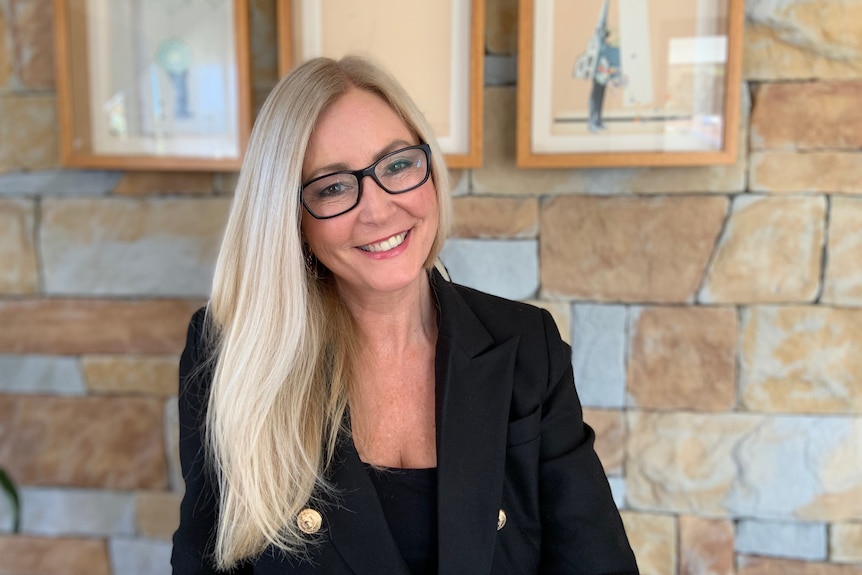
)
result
[(501, 519), (309, 521)]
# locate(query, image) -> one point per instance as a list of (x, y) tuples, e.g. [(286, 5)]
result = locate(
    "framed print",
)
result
[(628, 82), (153, 84), (435, 49)]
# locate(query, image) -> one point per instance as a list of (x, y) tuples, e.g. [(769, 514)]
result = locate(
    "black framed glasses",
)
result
[(339, 192)]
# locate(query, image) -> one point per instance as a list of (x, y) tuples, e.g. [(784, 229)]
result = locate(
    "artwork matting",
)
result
[(435, 49), (153, 84), (635, 83)]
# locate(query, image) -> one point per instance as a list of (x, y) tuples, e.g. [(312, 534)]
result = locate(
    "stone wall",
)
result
[(715, 312)]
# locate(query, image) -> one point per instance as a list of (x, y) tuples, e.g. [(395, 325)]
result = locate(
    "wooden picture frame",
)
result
[(145, 85), (628, 82), (449, 90)]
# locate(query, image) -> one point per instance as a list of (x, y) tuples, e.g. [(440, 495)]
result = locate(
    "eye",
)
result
[(330, 188), (398, 165)]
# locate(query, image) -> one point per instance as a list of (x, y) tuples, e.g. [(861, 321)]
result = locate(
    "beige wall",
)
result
[(732, 294)]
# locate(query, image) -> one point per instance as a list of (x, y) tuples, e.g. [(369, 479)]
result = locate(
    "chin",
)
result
[(386, 283), (395, 282)]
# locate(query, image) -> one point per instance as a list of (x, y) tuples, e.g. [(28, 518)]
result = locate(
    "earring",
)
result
[(310, 262)]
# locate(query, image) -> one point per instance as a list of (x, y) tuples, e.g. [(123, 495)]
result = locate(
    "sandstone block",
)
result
[(28, 555), (264, 39), (683, 462), (845, 542), (131, 247), (70, 327), (683, 358), (501, 27), (775, 171), (6, 65), (504, 268), (499, 174), (653, 540), (28, 132), (705, 546), (147, 375), (40, 374), (140, 556), (77, 512), (157, 514), (165, 183), (225, 182), (500, 70), (823, 455), (599, 343), (59, 182), (770, 566), (19, 269), (782, 539), (627, 249), (842, 283), (258, 97), (738, 465), (802, 39), (33, 32), (610, 431), (98, 442), (770, 251), (618, 490), (825, 115), (477, 217), (561, 312), (801, 359), (459, 182), (6, 519)]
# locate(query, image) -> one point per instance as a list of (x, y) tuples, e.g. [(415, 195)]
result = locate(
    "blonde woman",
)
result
[(346, 409)]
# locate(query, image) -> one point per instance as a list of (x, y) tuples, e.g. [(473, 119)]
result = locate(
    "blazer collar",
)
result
[(474, 376)]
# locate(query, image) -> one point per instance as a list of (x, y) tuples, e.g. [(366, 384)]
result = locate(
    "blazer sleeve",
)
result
[(582, 531), (193, 540)]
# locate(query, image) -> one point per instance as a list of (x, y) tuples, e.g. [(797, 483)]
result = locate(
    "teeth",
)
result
[(385, 245)]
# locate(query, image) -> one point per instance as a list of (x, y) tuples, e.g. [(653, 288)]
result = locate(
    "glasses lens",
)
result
[(331, 195), (402, 170)]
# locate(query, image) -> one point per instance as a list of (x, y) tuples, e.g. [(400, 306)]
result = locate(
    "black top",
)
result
[(409, 501)]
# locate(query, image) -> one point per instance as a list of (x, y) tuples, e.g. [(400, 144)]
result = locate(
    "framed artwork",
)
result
[(435, 49), (153, 84), (628, 82)]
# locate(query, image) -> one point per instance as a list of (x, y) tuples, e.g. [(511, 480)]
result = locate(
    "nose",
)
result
[(376, 204)]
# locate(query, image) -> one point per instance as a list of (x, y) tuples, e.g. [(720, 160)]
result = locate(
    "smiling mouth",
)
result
[(385, 245)]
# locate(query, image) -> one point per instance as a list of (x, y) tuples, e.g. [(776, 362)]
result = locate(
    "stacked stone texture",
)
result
[(715, 312)]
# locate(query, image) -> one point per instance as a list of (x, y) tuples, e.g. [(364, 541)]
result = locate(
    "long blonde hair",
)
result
[(281, 337)]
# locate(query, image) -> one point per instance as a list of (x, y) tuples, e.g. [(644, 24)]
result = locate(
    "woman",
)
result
[(343, 407)]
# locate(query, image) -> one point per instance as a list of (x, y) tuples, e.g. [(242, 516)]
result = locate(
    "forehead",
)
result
[(353, 130)]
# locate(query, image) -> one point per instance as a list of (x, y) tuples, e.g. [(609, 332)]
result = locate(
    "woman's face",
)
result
[(380, 245)]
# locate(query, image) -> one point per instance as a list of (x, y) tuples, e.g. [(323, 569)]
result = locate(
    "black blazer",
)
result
[(510, 436)]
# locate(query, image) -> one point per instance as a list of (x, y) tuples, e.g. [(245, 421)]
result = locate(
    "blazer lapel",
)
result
[(474, 378), (355, 521), (474, 390)]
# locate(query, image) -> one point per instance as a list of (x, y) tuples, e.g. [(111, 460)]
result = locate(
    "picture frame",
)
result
[(616, 83), (449, 90), (153, 84)]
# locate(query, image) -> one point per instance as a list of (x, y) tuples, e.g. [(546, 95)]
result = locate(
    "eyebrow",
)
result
[(340, 166)]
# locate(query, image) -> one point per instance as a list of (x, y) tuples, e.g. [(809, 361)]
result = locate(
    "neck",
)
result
[(389, 323)]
